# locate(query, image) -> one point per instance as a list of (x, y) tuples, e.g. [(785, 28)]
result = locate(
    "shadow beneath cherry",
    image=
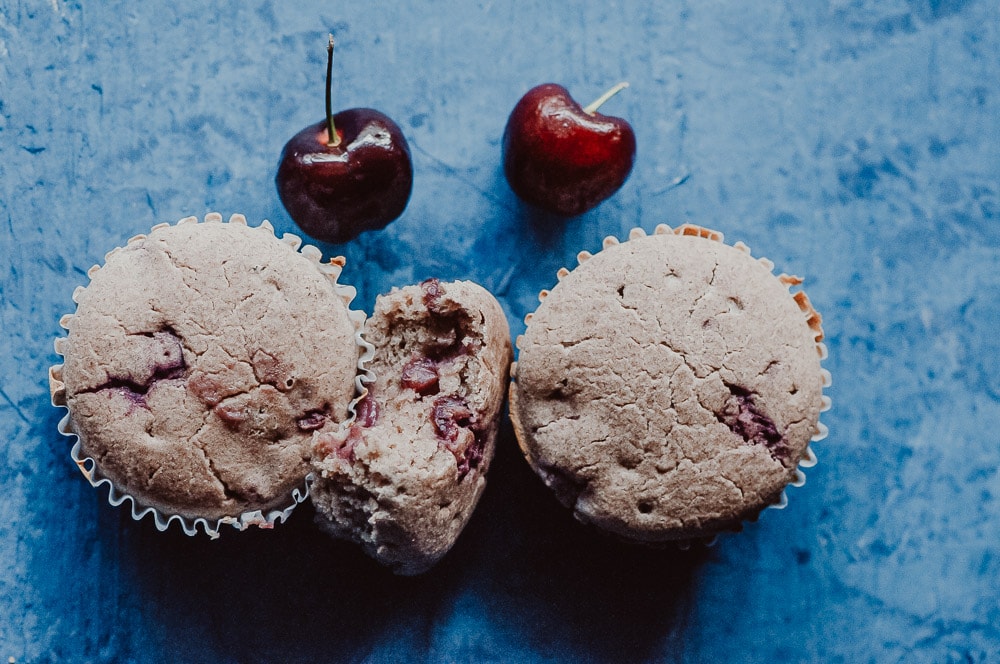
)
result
[(542, 227)]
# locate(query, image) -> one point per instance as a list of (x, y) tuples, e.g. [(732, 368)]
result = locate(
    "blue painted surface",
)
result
[(855, 142)]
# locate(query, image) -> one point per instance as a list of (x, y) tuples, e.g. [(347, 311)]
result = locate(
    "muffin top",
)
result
[(668, 387), (199, 363)]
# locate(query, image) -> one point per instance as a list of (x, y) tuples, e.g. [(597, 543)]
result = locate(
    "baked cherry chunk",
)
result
[(420, 375), (367, 410), (432, 294), (311, 421), (449, 415), (455, 424), (753, 425)]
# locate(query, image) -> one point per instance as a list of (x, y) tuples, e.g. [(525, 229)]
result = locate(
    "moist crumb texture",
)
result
[(668, 387), (200, 361), (403, 479)]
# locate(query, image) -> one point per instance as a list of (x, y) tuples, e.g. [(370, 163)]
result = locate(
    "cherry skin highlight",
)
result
[(562, 157)]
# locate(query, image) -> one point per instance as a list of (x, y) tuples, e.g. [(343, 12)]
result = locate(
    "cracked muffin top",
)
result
[(668, 387), (199, 363)]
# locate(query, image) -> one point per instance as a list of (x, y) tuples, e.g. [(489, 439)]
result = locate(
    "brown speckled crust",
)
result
[(404, 478), (667, 388), (199, 363)]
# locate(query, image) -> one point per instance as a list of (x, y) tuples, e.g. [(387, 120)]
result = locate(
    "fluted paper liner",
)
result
[(260, 518)]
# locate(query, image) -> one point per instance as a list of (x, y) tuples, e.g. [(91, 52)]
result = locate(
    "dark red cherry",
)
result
[(564, 158), (420, 374), (347, 174)]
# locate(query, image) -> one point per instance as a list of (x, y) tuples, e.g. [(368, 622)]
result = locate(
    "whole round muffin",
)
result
[(668, 387), (199, 363)]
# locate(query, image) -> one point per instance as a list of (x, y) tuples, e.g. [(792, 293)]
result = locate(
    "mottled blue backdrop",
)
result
[(854, 142)]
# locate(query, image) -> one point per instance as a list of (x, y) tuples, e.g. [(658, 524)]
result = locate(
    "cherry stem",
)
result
[(592, 107), (333, 140)]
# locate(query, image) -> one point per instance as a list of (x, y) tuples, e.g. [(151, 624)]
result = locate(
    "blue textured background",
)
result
[(855, 142)]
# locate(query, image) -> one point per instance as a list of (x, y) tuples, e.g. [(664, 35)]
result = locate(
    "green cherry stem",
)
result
[(333, 139), (592, 107)]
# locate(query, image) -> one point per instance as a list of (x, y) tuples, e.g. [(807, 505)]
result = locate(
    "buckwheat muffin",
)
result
[(199, 363), (404, 479), (668, 387)]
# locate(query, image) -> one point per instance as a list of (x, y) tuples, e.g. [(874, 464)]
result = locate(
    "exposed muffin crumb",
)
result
[(404, 478)]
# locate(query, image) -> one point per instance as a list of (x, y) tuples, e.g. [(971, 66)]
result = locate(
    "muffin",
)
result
[(404, 478), (669, 386), (199, 363)]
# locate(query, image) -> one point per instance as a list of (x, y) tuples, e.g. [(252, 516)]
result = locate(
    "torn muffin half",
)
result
[(403, 479)]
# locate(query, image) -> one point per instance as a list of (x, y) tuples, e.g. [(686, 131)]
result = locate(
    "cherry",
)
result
[(312, 420), (420, 374), (451, 417), (347, 174), (450, 413), (564, 158), (745, 418)]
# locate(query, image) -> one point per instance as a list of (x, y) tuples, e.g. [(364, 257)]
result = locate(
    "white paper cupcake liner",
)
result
[(211, 526), (813, 319)]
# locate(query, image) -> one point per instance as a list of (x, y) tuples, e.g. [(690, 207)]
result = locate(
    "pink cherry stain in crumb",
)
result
[(231, 416), (341, 444)]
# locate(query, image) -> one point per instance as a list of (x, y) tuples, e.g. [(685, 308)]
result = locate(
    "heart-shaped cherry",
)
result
[(564, 158), (347, 174)]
